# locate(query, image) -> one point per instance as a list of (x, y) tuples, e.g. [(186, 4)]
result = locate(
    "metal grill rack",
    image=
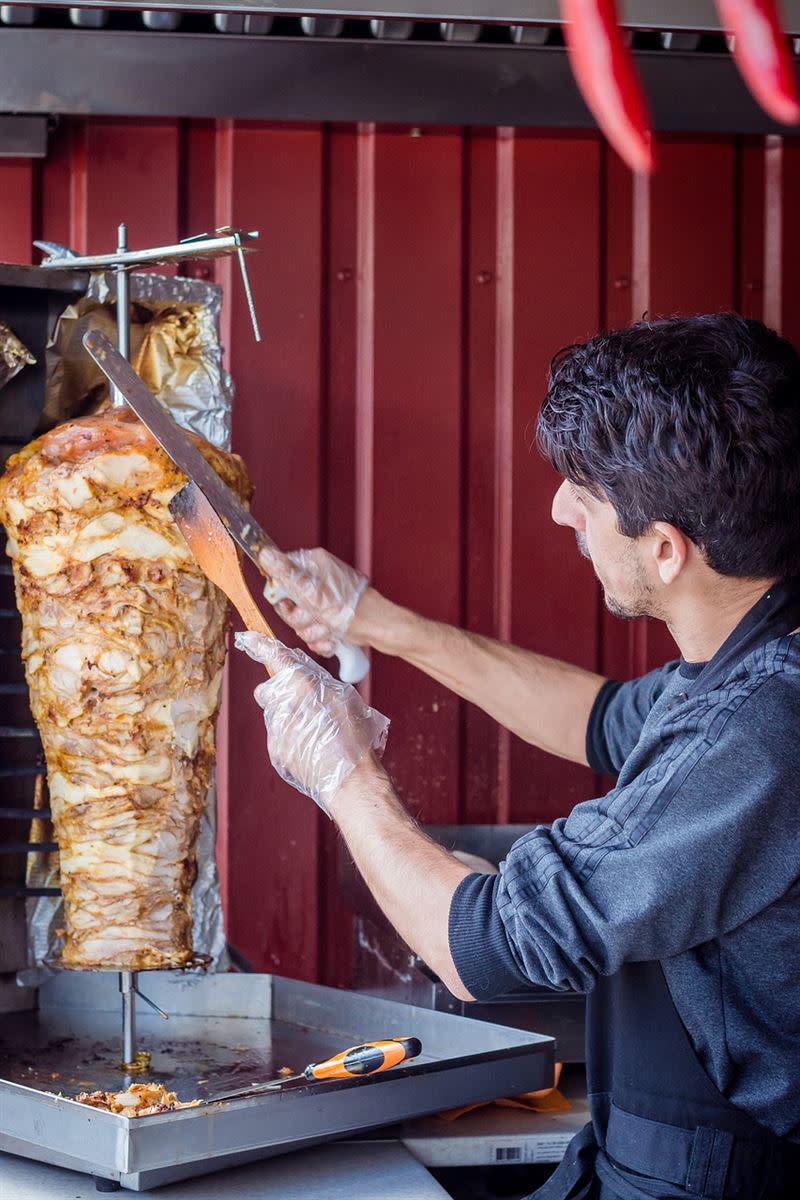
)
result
[(21, 763), (30, 301), (21, 758)]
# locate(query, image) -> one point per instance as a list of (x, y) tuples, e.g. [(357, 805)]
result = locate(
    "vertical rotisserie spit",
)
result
[(123, 642)]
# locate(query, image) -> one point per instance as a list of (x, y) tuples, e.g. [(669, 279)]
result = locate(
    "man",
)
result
[(674, 899)]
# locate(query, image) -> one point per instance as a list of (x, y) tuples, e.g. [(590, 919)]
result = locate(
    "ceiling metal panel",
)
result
[(636, 14), (341, 79)]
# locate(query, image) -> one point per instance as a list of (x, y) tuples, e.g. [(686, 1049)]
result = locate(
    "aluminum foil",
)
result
[(13, 354), (175, 347)]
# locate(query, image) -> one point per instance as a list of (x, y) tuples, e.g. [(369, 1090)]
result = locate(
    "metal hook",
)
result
[(246, 281), (236, 234), (152, 1004)]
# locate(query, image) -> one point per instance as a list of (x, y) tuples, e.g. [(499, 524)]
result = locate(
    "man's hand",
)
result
[(321, 595), (318, 729)]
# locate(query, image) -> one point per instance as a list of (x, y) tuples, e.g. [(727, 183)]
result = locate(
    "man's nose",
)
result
[(566, 510)]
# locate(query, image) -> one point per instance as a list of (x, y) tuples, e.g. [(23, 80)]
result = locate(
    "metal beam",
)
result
[(283, 79), (637, 14), (23, 137)]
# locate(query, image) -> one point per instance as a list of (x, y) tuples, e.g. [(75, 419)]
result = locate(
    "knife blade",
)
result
[(241, 524)]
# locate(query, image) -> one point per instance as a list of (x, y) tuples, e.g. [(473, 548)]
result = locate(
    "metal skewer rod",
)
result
[(127, 986), (123, 318), (127, 979), (204, 246)]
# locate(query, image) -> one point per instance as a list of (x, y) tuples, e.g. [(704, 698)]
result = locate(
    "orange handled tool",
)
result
[(371, 1058), (368, 1059)]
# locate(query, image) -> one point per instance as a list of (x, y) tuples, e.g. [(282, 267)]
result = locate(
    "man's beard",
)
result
[(640, 603), (636, 607)]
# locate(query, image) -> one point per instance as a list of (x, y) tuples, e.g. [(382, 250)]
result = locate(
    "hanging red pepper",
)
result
[(608, 81), (762, 55)]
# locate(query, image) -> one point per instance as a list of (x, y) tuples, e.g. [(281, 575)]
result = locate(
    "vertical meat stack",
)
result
[(123, 642)]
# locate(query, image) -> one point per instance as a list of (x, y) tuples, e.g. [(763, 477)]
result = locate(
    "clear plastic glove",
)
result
[(318, 728), (315, 593)]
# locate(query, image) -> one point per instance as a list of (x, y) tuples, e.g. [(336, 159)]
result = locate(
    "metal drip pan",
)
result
[(225, 1032)]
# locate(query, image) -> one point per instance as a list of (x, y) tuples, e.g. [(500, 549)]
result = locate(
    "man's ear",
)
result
[(670, 549)]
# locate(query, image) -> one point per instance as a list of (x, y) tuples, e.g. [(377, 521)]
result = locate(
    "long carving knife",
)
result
[(242, 526)]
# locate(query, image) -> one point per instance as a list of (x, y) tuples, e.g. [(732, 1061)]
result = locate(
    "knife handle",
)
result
[(252, 615), (353, 662), (368, 1059)]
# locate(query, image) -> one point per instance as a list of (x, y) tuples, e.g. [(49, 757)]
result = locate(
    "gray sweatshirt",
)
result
[(693, 859)]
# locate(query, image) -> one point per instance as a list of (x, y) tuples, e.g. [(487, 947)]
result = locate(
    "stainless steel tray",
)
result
[(225, 1031)]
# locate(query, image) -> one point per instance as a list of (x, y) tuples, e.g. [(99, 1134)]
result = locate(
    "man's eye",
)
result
[(576, 494)]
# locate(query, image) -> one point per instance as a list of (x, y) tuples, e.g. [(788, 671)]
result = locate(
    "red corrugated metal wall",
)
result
[(412, 285)]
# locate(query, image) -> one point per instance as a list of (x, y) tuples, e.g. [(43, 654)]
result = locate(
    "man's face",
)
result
[(619, 562)]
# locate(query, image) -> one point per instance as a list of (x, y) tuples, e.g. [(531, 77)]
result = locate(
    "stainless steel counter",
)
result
[(375, 1171)]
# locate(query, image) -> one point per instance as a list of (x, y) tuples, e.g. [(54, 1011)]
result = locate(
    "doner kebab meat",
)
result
[(123, 643)]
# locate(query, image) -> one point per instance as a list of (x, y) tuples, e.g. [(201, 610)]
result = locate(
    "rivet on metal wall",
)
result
[(485, 277), (88, 18), (395, 31), (680, 41), (344, 274), (415, 132), (162, 22), (17, 14), (460, 31), (754, 285), (622, 282), (529, 35), (321, 26)]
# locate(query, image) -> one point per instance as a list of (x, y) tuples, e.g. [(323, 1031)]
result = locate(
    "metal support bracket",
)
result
[(205, 245)]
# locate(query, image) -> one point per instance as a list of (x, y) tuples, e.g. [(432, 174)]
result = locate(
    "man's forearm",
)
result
[(412, 878), (544, 701)]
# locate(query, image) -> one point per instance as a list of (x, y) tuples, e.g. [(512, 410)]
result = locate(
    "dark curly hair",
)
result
[(690, 420)]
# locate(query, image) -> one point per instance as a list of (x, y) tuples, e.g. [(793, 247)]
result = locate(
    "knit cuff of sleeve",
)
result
[(479, 942), (597, 754)]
